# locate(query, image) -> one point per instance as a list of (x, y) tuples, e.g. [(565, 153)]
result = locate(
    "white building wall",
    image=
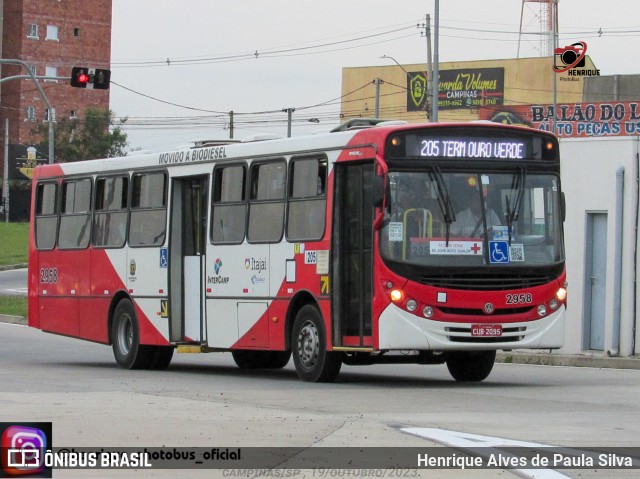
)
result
[(589, 168)]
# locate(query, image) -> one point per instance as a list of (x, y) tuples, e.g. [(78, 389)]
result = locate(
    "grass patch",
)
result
[(15, 243), (13, 305)]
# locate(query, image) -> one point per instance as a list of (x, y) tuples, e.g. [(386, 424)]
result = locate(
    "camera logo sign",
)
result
[(571, 56), (571, 59)]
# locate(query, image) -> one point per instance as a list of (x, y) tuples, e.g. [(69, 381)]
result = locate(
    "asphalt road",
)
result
[(205, 401)]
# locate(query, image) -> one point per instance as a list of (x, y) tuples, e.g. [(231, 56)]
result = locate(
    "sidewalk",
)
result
[(586, 360)]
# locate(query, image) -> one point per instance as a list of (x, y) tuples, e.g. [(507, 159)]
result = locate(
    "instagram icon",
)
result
[(23, 450)]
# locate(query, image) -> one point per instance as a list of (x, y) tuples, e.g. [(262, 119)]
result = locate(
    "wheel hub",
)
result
[(308, 345), (125, 334)]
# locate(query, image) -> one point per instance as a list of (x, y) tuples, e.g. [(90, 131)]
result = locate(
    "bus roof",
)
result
[(355, 133)]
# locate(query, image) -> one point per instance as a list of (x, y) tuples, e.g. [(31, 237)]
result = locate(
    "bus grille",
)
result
[(480, 312), (485, 282)]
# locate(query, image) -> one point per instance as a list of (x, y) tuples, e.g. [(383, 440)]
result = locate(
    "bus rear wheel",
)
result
[(160, 357), (471, 366), (125, 336), (261, 359), (312, 360)]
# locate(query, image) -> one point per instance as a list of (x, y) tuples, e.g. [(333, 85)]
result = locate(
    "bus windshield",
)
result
[(473, 218)]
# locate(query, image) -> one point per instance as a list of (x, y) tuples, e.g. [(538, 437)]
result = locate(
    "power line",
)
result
[(251, 55)]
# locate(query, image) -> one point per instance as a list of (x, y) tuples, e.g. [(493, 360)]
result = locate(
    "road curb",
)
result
[(8, 267), (575, 360), (5, 318)]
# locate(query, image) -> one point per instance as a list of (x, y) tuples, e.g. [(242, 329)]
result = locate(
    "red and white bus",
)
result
[(347, 247)]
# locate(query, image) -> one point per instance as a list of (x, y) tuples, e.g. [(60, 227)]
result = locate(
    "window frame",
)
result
[(53, 29), (55, 214), (33, 31), (220, 203), (320, 158), (30, 113), (50, 71), (99, 212), (88, 213), (48, 114), (133, 209), (253, 202)]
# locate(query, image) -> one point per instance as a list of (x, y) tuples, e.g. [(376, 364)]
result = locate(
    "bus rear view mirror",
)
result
[(378, 191)]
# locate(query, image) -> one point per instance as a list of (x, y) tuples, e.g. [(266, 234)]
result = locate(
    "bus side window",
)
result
[(228, 220), (110, 218), (266, 202), (147, 225), (46, 215), (75, 214), (307, 199)]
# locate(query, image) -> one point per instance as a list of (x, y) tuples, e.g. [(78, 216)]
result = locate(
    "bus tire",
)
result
[(125, 337), (312, 360), (471, 365), (160, 357), (261, 359)]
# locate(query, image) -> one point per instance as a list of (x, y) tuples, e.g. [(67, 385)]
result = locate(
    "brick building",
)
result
[(51, 36)]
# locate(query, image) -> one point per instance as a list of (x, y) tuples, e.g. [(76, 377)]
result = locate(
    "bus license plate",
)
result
[(486, 330)]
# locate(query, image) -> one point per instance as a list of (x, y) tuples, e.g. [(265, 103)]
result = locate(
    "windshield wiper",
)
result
[(444, 200), (513, 210)]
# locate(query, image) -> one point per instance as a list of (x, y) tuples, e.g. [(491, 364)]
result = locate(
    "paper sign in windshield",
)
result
[(457, 248)]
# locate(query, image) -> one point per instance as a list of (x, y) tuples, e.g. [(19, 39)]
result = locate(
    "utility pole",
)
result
[(231, 125), (5, 185), (377, 82), (436, 68), (429, 66), (427, 34), (289, 119), (554, 45)]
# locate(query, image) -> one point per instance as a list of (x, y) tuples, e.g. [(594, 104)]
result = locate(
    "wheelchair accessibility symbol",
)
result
[(499, 252), (164, 258)]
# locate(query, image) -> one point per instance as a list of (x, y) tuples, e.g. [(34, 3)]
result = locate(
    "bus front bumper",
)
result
[(399, 329)]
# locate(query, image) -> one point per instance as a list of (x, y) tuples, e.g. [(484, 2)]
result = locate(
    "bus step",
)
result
[(190, 348)]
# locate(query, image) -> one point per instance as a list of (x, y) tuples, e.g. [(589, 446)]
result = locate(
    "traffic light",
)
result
[(92, 78)]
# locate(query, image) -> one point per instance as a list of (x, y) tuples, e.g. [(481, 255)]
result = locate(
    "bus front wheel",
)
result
[(125, 337), (471, 365), (309, 344)]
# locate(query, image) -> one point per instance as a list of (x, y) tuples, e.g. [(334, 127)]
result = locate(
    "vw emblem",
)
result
[(488, 308)]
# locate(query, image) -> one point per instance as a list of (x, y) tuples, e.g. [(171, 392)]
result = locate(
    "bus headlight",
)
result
[(396, 295), (542, 310), (427, 311), (554, 304), (561, 294)]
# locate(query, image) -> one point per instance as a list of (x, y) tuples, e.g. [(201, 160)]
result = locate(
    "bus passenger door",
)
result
[(187, 257), (352, 268)]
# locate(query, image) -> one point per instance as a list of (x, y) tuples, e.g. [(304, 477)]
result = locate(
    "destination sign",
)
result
[(449, 145), (471, 148)]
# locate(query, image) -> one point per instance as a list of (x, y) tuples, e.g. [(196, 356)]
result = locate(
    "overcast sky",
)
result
[(177, 66)]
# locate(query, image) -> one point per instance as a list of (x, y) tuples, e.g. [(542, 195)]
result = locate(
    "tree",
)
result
[(86, 139)]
